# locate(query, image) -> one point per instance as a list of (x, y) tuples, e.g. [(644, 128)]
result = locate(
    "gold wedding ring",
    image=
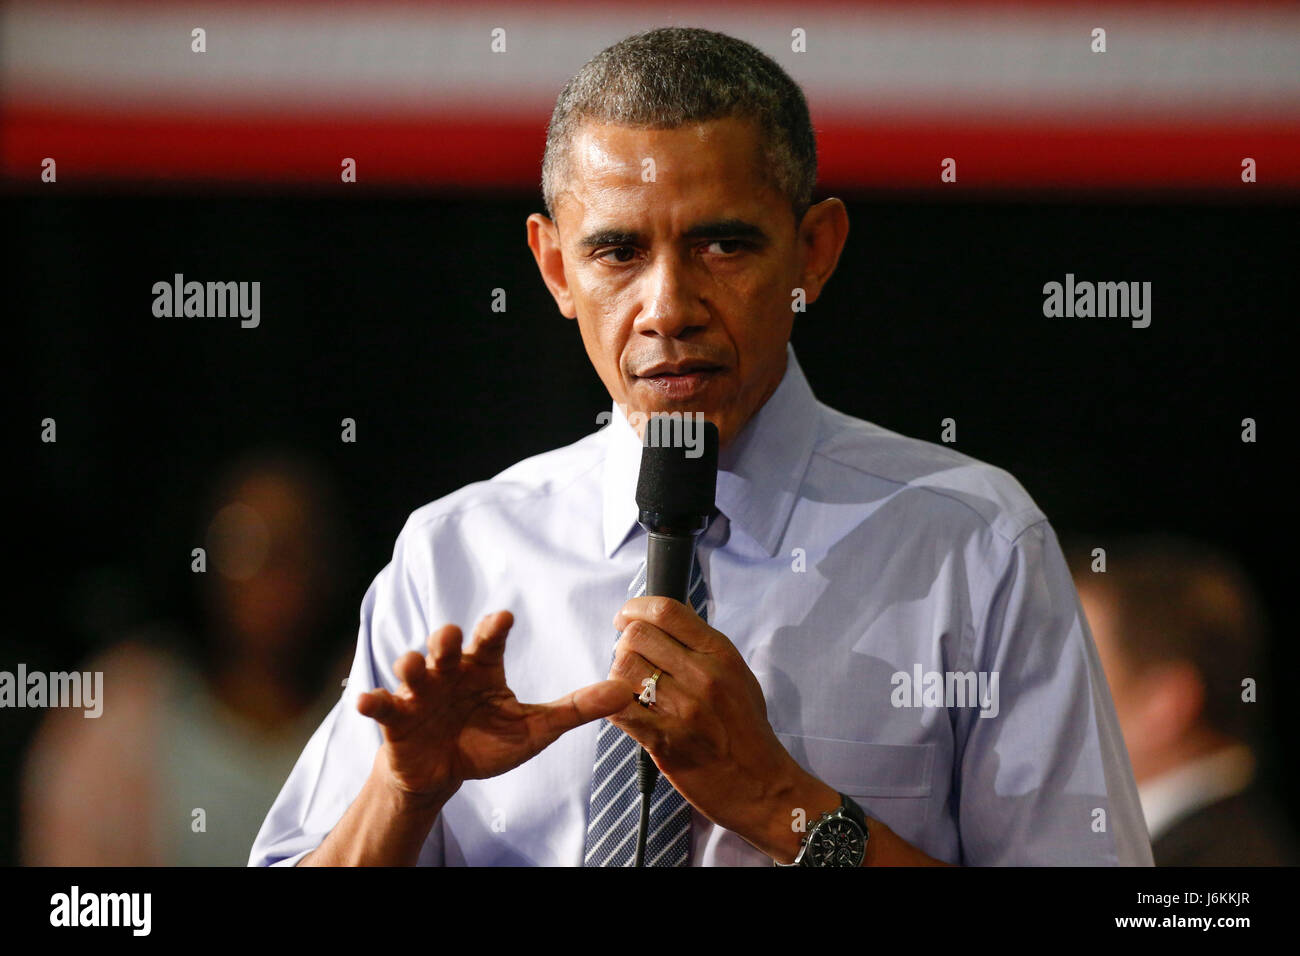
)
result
[(646, 697)]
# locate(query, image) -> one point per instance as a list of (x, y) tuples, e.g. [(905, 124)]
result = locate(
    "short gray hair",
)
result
[(668, 77)]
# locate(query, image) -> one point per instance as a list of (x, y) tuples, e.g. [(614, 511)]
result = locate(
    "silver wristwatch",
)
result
[(836, 839)]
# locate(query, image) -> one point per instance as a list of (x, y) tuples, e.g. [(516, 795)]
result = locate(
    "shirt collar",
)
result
[(759, 475), (1197, 783)]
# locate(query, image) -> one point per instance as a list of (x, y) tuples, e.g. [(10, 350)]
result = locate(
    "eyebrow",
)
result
[(715, 229)]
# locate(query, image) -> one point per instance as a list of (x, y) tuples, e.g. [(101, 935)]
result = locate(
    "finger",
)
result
[(411, 669), (434, 643), (633, 669), (643, 723), (377, 705), (580, 707), (672, 617), (489, 642), (445, 654), (657, 647)]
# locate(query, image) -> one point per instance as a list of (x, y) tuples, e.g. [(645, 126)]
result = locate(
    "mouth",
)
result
[(677, 380)]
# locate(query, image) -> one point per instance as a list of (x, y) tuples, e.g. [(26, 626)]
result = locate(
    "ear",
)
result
[(822, 235), (544, 241)]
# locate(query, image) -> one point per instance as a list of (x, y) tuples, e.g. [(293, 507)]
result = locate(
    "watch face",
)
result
[(838, 842)]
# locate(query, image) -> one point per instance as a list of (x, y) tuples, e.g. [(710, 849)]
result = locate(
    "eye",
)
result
[(618, 249), (730, 246)]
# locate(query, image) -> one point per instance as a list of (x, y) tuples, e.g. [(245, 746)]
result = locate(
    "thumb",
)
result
[(583, 706)]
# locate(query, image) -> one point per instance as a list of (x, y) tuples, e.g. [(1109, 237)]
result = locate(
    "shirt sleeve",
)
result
[(1043, 778), (337, 759)]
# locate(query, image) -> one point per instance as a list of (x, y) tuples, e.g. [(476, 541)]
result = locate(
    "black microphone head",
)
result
[(679, 467)]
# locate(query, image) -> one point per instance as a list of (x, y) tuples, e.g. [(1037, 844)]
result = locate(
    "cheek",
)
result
[(605, 332), (760, 339), (763, 300), (752, 291), (600, 302), (603, 340)]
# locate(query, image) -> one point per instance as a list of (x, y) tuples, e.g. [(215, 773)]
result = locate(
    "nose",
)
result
[(672, 304)]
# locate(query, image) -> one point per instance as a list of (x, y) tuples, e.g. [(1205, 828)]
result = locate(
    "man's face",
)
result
[(678, 260)]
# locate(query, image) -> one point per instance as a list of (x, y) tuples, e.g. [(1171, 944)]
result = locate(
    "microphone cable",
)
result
[(646, 776)]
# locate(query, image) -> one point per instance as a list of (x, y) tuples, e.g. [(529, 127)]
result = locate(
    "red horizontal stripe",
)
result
[(1011, 155), (467, 151), (669, 9)]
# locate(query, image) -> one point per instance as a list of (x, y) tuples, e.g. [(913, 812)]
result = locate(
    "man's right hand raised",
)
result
[(454, 719)]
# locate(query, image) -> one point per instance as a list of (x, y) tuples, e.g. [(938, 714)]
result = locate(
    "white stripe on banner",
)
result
[(954, 60)]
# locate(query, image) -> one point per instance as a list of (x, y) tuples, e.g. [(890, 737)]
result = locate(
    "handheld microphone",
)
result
[(675, 497)]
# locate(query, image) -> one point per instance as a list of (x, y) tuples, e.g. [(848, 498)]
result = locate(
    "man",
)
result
[(844, 564), (1178, 629)]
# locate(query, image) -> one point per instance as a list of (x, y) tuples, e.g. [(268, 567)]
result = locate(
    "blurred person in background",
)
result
[(193, 745), (1179, 628)]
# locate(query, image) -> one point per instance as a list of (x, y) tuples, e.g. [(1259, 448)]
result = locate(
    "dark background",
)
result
[(378, 309)]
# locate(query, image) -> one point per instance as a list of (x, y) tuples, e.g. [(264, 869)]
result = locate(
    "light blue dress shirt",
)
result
[(868, 579)]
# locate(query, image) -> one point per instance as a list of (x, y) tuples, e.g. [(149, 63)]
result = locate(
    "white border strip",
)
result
[(955, 61)]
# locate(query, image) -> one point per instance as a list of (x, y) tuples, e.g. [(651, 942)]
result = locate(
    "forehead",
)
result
[(689, 169)]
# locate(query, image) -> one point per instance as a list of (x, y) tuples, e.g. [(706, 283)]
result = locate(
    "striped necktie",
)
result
[(615, 801)]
